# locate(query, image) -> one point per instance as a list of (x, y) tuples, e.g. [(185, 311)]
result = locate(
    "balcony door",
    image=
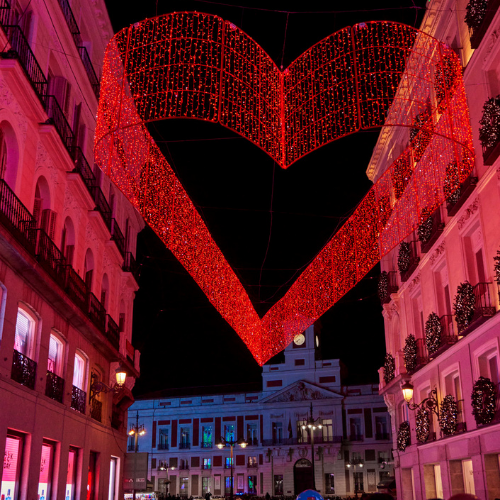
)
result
[(302, 476)]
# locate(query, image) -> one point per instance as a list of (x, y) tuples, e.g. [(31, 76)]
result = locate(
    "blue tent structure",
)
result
[(309, 495)]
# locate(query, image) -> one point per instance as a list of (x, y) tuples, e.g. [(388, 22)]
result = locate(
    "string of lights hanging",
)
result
[(194, 65)]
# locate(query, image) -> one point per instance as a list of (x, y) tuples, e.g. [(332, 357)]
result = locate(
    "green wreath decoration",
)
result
[(423, 424), (404, 436), (489, 132), (484, 400), (410, 353), (404, 257), (475, 12), (448, 415), (433, 331), (389, 368), (496, 267), (464, 306), (425, 227), (383, 285)]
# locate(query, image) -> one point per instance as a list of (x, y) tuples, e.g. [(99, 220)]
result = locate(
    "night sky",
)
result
[(268, 222)]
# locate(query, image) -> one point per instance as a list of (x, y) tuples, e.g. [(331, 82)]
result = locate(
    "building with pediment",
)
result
[(352, 450)]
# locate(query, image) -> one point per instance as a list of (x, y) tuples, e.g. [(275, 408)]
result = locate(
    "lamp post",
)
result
[(231, 442), (354, 465), (136, 430), (311, 424), (431, 403)]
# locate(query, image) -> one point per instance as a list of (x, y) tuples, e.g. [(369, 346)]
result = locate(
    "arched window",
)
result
[(24, 341), (3, 155), (8, 154), (105, 291), (80, 371), (88, 268), (68, 240), (45, 217), (56, 355)]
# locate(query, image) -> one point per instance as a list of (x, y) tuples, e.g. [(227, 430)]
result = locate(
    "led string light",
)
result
[(193, 65)]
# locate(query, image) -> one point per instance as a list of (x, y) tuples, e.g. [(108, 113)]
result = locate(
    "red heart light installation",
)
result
[(194, 65)]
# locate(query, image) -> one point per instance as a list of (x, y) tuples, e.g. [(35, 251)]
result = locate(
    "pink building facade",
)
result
[(440, 293), (67, 261)]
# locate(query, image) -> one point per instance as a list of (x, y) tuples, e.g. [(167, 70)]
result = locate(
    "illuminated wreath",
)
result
[(423, 424), (464, 306), (410, 353), (404, 257), (404, 436), (475, 12), (389, 368), (489, 132), (451, 183), (484, 400), (448, 415), (496, 267), (445, 78), (198, 66), (433, 329), (425, 227), (383, 285)]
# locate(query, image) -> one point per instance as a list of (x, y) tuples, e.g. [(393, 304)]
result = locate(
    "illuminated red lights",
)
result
[(193, 65)]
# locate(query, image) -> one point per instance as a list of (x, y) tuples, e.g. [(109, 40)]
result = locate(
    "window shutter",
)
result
[(70, 249), (240, 459), (37, 209), (195, 462), (218, 461)]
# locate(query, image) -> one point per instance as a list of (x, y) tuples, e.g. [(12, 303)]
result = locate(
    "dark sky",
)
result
[(268, 222)]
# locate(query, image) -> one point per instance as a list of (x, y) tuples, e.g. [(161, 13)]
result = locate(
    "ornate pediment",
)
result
[(301, 391)]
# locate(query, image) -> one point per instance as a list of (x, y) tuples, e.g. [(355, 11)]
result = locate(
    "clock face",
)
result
[(317, 341), (299, 339)]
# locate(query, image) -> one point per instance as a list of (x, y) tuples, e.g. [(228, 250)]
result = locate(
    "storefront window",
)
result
[(112, 478), (45, 478), (252, 485), (71, 475), (11, 467), (91, 479)]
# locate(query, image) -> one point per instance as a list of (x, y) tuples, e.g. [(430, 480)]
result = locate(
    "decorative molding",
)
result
[(326, 412), (437, 252), (471, 210), (300, 392), (277, 416), (414, 282)]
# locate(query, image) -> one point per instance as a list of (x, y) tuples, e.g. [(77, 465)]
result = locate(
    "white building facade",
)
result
[(440, 306), (352, 450), (67, 248)]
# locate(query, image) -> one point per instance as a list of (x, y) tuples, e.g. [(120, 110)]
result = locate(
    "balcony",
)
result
[(89, 68), (76, 288), (206, 466), (101, 205), (184, 466), (54, 387), (78, 399), (387, 285), (96, 410), (117, 236), (23, 370), (82, 167), (478, 26), (483, 308), (382, 436), (49, 256), (411, 259), (112, 332), (356, 437), (130, 265), (184, 445), (448, 335), (430, 230), (252, 441), (58, 119), (206, 444), (458, 198), (96, 311), (252, 465), (162, 446)]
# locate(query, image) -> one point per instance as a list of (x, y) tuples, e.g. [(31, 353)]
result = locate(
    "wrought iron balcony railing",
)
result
[(89, 68), (184, 445), (96, 410), (54, 387), (163, 446), (96, 311), (112, 331), (23, 370), (252, 465), (71, 22), (130, 265), (252, 441), (101, 205), (435, 230), (382, 436), (414, 259), (305, 440), (457, 199), (78, 399), (82, 166), (58, 119), (184, 466), (49, 256), (117, 236), (206, 444), (483, 307)]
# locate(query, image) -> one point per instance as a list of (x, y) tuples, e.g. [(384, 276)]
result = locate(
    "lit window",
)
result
[(229, 432), (55, 362), (229, 462), (25, 330), (79, 372), (207, 463)]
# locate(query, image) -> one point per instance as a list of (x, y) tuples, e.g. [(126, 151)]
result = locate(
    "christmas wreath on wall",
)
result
[(489, 132), (423, 424), (410, 353), (383, 285), (475, 12), (451, 183), (389, 368), (464, 305), (444, 79), (424, 229), (433, 331), (484, 400), (404, 437), (496, 267), (404, 257), (448, 415)]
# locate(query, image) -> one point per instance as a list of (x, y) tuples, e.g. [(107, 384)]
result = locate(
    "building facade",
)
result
[(352, 450), (440, 301), (67, 247)]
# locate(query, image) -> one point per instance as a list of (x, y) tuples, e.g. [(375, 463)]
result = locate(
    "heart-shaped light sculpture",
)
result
[(194, 65)]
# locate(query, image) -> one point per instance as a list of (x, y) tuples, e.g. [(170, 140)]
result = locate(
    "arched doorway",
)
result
[(302, 475)]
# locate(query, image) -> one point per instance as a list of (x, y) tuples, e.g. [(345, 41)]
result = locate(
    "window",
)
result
[(206, 436), (355, 428), (79, 372), (277, 432), (229, 432), (252, 438), (302, 434), (3, 155), (327, 430), (185, 443), (113, 465), (68, 240), (252, 462), (45, 217), (381, 428), (418, 316), (207, 463), (25, 333), (92, 480), (9, 487), (473, 246), (55, 362), (488, 365), (105, 291), (205, 486), (163, 439), (183, 486), (88, 268), (229, 462), (45, 478), (252, 485), (453, 387), (358, 481), (443, 295), (71, 475), (278, 484), (330, 483)]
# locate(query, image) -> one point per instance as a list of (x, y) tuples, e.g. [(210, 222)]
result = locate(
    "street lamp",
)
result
[(98, 387), (311, 425), (230, 442), (136, 430), (431, 403), (354, 464)]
